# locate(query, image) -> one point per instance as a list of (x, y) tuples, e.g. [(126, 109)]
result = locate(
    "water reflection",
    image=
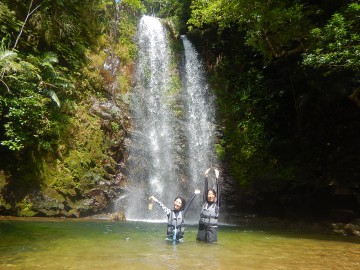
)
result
[(100, 244)]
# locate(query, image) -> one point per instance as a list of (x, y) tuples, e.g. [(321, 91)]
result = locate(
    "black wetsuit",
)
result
[(209, 215)]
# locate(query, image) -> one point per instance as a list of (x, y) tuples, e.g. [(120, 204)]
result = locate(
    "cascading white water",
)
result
[(160, 162), (200, 115), (151, 154)]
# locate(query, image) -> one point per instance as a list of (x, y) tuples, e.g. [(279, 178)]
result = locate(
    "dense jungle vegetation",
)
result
[(286, 76)]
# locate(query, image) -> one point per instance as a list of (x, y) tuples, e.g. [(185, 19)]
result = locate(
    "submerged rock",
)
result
[(118, 216)]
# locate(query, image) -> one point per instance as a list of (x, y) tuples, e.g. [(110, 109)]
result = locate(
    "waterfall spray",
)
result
[(200, 114), (160, 140), (151, 158)]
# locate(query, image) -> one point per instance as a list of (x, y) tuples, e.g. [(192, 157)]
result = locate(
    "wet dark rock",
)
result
[(100, 201), (106, 110), (348, 229), (118, 216), (45, 205), (342, 215)]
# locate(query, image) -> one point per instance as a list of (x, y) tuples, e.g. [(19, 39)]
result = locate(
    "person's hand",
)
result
[(197, 191), (151, 200), (216, 173), (207, 172)]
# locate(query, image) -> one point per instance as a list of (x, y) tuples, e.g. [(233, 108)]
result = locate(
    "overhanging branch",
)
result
[(27, 17)]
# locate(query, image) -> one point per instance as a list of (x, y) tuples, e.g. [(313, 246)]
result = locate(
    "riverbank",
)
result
[(246, 222), (251, 221)]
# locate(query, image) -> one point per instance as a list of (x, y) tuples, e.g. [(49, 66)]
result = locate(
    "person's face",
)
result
[(177, 204), (211, 196)]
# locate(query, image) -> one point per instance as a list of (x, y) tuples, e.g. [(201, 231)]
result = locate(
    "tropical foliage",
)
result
[(283, 72), (273, 28), (336, 46), (42, 46), (51, 57), (281, 69)]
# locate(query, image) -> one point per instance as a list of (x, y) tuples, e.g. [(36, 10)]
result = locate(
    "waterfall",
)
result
[(168, 152), (200, 115), (152, 168)]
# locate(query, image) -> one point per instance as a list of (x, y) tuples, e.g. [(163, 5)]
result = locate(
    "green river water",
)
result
[(102, 244)]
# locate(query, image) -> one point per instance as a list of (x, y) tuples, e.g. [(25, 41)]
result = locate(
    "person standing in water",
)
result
[(209, 215), (176, 217)]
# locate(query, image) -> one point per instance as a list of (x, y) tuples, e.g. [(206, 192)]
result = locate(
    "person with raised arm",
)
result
[(209, 215), (176, 217)]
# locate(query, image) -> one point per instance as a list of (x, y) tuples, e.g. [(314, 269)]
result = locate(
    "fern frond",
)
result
[(54, 97), (7, 55)]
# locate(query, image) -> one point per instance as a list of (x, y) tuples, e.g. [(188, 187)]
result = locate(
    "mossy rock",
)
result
[(53, 194), (26, 208), (74, 213), (5, 207), (80, 165), (26, 212)]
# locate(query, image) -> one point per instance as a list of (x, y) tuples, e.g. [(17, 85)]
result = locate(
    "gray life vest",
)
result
[(209, 214), (176, 223)]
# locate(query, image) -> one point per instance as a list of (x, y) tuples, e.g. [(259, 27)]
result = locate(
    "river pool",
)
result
[(102, 244)]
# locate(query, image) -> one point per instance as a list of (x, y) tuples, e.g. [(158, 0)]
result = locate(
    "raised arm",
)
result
[(197, 191), (217, 187), (217, 193), (206, 185), (166, 210)]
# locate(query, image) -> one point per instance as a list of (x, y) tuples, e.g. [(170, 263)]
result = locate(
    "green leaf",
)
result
[(54, 97), (7, 55)]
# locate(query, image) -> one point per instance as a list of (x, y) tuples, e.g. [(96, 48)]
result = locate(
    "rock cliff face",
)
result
[(85, 176), (80, 170)]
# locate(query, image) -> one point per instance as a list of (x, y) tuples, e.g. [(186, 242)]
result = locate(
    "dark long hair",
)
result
[(213, 191), (183, 202)]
